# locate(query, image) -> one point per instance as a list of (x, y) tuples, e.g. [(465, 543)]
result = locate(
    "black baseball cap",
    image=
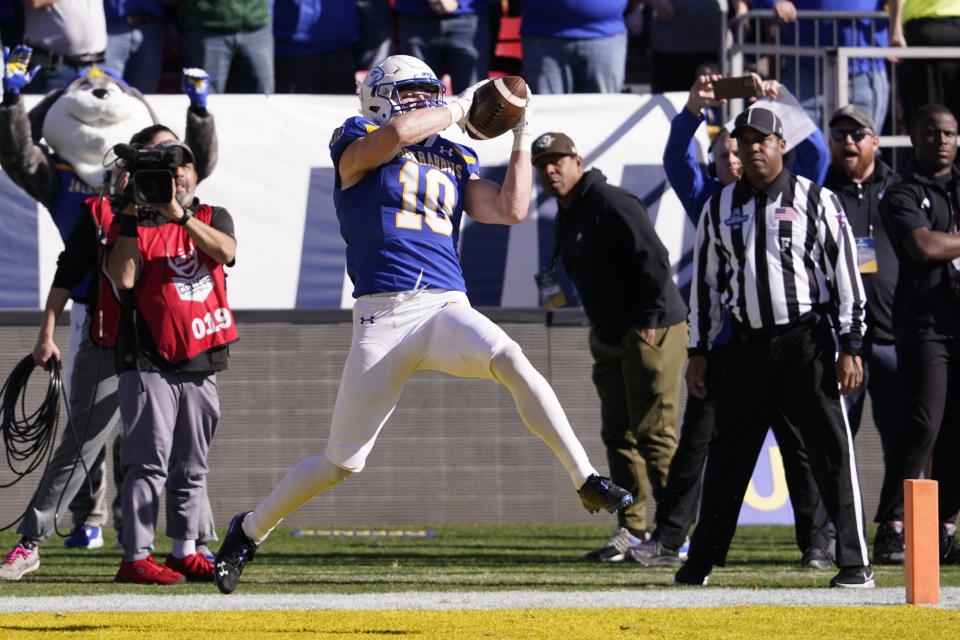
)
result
[(856, 113), (552, 142), (763, 120)]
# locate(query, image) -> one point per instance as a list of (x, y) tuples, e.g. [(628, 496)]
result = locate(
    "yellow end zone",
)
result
[(728, 623)]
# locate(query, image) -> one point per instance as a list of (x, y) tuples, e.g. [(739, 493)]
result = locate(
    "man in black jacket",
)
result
[(861, 179), (922, 216), (610, 250)]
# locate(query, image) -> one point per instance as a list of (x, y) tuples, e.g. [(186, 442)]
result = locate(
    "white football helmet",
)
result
[(379, 93)]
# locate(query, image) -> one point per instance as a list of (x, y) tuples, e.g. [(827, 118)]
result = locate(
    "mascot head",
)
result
[(82, 121)]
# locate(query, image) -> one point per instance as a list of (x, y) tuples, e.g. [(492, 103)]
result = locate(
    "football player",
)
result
[(401, 190)]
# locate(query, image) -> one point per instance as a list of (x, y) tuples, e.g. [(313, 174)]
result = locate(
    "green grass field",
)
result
[(475, 558)]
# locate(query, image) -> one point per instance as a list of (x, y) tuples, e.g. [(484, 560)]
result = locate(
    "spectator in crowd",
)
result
[(231, 39), (451, 36), (780, 363), (676, 510), (927, 23), (921, 215), (868, 86), (693, 183), (412, 312), (167, 388), (860, 178), (637, 328), (574, 46), (135, 41), (66, 36), (375, 22), (685, 34), (314, 46)]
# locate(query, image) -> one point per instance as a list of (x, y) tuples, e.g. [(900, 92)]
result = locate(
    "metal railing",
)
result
[(831, 66)]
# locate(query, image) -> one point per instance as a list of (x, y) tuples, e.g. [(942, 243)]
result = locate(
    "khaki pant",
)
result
[(639, 388)]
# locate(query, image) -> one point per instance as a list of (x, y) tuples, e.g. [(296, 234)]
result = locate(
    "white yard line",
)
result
[(476, 600)]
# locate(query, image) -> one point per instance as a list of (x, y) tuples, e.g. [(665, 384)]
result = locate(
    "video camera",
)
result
[(151, 171)]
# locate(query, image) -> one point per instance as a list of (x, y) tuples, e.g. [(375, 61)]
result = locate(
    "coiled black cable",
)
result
[(29, 438)]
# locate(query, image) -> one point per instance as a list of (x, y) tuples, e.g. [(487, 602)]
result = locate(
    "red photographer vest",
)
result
[(181, 292)]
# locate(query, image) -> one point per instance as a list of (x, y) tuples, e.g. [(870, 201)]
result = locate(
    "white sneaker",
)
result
[(18, 562)]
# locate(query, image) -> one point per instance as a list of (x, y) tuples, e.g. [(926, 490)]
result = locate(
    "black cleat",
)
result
[(949, 547), (600, 493), (853, 578), (888, 545), (236, 551), (692, 574)]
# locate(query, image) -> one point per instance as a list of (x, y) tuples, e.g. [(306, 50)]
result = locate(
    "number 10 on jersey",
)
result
[(437, 192)]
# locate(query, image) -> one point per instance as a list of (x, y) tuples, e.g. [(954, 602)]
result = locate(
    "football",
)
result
[(497, 107)]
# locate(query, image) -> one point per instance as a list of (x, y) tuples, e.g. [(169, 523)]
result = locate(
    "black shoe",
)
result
[(816, 558), (853, 578), (692, 574), (888, 545), (236, 551), (653, 554), (600, 493), (949, 547)]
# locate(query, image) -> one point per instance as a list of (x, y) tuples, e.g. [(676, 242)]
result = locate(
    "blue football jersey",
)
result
[(403, 218)]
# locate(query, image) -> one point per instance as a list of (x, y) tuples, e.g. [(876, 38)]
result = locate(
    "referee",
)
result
[(775, 249)]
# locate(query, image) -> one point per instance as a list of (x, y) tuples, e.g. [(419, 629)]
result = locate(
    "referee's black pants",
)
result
[(677, 508), (783, 375)]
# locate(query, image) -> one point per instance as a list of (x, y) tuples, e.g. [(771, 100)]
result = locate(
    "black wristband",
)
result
[(128, 226), (851, 344), (182, 221)]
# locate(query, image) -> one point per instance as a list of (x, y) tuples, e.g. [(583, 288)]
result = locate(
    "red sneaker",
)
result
[(196, 567), (147, 571)]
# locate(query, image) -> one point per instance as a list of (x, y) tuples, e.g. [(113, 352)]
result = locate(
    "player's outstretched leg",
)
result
[(600, 493), (541, 412), (235, 552)]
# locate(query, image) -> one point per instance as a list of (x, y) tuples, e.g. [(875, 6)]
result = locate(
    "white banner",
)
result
[(275, 177)]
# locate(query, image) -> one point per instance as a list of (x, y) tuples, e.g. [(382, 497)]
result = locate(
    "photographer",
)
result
[(93, 383), (167, 261)]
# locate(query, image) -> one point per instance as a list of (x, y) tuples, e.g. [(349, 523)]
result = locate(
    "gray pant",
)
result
[(206, 525), (93, 413), (167, 423)]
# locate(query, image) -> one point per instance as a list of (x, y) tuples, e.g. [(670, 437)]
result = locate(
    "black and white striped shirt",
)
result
[(772, 255)]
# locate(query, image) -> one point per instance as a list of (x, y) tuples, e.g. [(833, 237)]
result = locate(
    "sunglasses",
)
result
[(840, 135)]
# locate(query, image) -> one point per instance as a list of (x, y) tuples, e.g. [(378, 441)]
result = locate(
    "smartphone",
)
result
[(740, 87)]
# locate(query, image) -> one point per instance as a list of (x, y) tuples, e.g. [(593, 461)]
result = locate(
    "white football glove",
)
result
[(522, 131), (460, 106)]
